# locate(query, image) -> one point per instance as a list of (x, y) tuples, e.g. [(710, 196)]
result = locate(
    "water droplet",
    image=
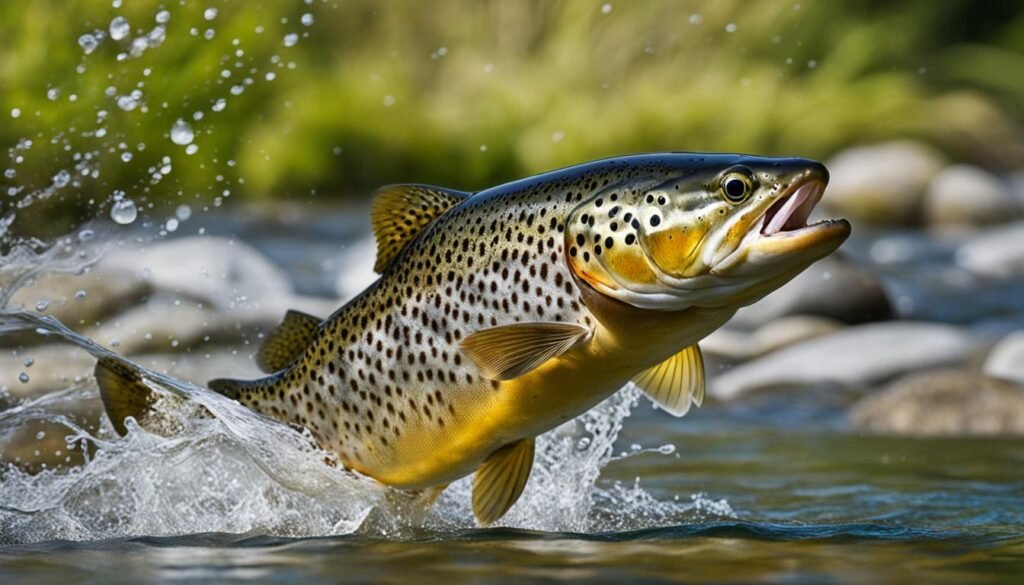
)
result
[(41, 435), (183, 212), (307, 19), (731, 27), (192, 149), (388, 101), (181, 133), (291, 39), (115, 342), (23, 378), (15, 112), (219, 105), (86, 235), (696, 19), (88, 43), (270, 76), (557, 136), (42, 306), (210, 13), (124, 211), (119, 28), (10, 173), (606, 9), (28, 362), (52, 94), (171, 224), (237, 89), (667, 449), (126, 156), (61, 179), (80, 295), (129, 102), (163, 16)]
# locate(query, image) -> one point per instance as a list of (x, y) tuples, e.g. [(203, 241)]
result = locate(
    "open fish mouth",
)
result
[(790, 212), (783, 228)]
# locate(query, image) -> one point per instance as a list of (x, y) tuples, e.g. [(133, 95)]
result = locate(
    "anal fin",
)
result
[(509, 351), (676, 382), (283, 345), (501, 479)]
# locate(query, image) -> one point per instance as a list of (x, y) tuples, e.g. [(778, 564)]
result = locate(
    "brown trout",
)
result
[(501, 314)]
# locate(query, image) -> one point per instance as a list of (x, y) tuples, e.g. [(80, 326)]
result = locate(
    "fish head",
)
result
[(712, 231)]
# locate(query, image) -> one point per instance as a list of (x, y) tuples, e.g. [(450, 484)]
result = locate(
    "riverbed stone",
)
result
[(221, 271), (833, 288), (966, 195), (1006, 360), (855, 356), (995, 253), (882, 183), (943, 402), (77, 299)]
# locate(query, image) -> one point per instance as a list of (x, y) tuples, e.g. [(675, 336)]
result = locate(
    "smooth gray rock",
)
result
[(966, 195), (996, 253), (223, 272), (832, 288), (788, 331), (855, 356), (882, 183), (1006, 360), (83, 298), (942, 402)]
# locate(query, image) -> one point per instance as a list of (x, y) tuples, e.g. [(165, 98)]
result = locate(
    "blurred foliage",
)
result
[(469, 93)]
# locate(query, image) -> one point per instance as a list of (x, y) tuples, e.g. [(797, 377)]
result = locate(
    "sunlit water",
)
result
[(775, 487)]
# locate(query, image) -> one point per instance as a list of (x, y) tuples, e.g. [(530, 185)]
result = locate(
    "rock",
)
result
[(858, 356), (996, 253), (1006, 360), (729, 343), (966, 195), (790, 330), (832, 288), (170, 324), (54, 367), (943, 402), (223, 272), (84, 298), (882, 183)]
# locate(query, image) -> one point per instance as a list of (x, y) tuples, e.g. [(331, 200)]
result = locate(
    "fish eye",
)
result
[(736, 186)]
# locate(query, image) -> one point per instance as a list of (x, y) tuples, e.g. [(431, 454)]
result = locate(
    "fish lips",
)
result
[(781, 235)]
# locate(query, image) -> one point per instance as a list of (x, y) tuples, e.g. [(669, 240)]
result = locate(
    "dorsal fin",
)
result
[(676, 382), (123, 392), (500, 480), (399, 212), (282, 345), (509, 351)]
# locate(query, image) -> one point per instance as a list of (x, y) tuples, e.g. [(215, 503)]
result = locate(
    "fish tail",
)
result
[(123, 392)]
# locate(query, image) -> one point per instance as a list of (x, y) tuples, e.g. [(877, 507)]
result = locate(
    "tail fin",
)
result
[(123, 392)]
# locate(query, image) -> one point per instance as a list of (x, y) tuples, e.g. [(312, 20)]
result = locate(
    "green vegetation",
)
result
[(468, 93)]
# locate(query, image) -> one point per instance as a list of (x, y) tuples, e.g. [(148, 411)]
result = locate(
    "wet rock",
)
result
[(84, 298), (223, 272), (832, 288), (855, 356), (996, 253), (1006, 360), (966, 195), (943, 402), (172, 324), (791, 330), (53, 367), (882, 183)]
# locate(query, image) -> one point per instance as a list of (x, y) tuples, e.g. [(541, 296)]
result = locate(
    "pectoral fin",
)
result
[(400, 212), (509, 351), (500, 480), (284, 344), (123, 392), (676, 382)]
